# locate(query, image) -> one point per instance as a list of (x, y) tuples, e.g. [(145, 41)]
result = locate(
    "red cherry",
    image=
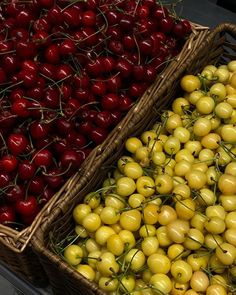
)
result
[(42, 24), (98, 135), (39, 130), (7, 215), (52, 54), (60, 146), (94, 68), (17, 143), (26, 50), (112, 17), (113, 84), (125, 103), (67, 47), (85, 127), (115, 35), (26, 170), (10, 63), (15, 193), (64, 72), (63, 126), (160, 12), (126, 22), (139, 72), (110, 102), (143, 11), (108, 63), (129, 42), (46, 196), (54, 178), (46, 3), (72, 16), (27, 207), (42, 158), (89, 18), (36, 185), (98, 88), (103, 119), (3, 77), (52, 97), (4, 179), (70, 159), (166, 24), (124, 67), (24, 18), (55, 15), (179, 30), (81, 81), (116, 47), (9, 163)]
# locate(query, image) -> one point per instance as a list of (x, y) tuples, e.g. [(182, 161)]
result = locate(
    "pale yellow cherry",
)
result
[(173, 122), (230, 219), (133, 170), (202, 127), (149, 245), (128, 238), (208, 75), (164, 184), (91, 245), (178, 288), (115, 201), (136, 200), (190, 83), (178, 180), (211, 141), (163, 237), (142, 153), (182, 133), (176, 251), (198, 220), (170, 162), (155, 146), (184, 154), (194, 96), (132, 144), (158, 158), (107, 284), (161, 283), (180, 105), (130, 220), (93, 257), (218, 90), (226, 253), (194, 146), (172, 145), (215, 210), (146, 276), (205, 105), (232, 119), (206, 197), (207, 156), (230, 236), (215, 121), (177, 230), (147, 230), (223, 110), (123, 161), (147, 136), (80, 211), (232, 66), (185, 209), (164, 169), (125, 186), (191, 292), (181, 191), (230, 89), (212, 175), (73, 254), (231, 168), (216, 289), (135, 258), (116, 227), (227, 184), (228, 133), (194, 239), (218, 279), (166, 215), (215, 225), (196, 179), (198, 261), (211, 68), (181, 271), (158, 263), (200, 166), (231, 99), (228, 202), (102, 234), (199, 281), (162, 138), (109, 215), (223, 157), (150, 213), (92, 221), (81, 231), (213, 240), (107, 264), (86, 271), (145, 186), (222, 74), (182, 168), (232, 80)]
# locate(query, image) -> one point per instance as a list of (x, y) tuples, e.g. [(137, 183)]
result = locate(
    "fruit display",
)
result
[(164, 219), (69, 72)]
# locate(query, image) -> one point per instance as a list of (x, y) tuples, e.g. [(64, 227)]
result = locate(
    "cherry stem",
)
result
[(11, 86)]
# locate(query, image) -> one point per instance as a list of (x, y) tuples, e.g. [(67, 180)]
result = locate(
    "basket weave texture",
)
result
[(15, 249), (219, 47)]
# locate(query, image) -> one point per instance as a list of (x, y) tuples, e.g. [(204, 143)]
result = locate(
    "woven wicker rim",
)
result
[(18, 241)]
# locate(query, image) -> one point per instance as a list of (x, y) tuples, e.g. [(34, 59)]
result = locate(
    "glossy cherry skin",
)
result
[(54, 178), (9, 163), (15, 193), (27, 207), (7, 215), (17, 143), (110, 102), (4, 179), (36, 185), (98, 135), (26, 170), (42, 158)]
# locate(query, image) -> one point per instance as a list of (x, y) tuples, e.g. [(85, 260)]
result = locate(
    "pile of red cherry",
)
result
[(69, 71)]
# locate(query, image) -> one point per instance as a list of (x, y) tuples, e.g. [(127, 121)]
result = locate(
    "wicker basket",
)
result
[(15, 250), (218, 47)]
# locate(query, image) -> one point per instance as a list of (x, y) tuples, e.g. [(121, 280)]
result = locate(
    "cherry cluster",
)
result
[(69, 71)]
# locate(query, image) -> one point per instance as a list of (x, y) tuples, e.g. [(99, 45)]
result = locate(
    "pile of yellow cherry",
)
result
[(164, 221)]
